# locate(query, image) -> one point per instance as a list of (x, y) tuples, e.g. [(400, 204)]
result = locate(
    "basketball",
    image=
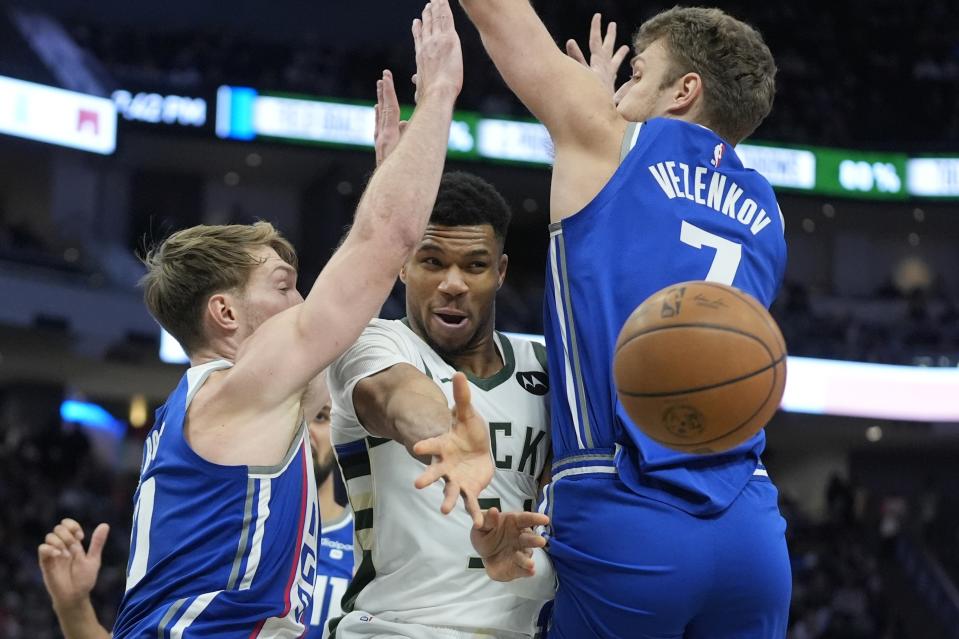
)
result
[(700, 367)]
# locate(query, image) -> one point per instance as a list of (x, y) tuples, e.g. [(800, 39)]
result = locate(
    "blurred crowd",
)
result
[(850, 73), (49, 470), (849, 580), (893, 326)]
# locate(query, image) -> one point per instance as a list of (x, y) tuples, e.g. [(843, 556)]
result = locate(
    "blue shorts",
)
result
[(632, 567)]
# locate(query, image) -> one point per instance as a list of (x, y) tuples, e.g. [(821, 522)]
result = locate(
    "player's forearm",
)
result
[(415, 416), (522, 49), (402, 404), (80, 621)]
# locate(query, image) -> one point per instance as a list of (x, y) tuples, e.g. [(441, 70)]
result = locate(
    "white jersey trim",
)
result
[(262, 514), (196, 608)]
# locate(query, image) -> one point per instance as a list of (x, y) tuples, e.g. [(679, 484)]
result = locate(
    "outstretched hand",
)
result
[(439, 55), (604, 58), (69, 573), (505, 542), (461, 457)]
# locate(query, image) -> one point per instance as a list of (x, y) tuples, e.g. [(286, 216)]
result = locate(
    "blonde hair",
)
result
[(736, 66), (185, 269)]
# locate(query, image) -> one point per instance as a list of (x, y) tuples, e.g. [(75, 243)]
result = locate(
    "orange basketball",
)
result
[(700, 367)]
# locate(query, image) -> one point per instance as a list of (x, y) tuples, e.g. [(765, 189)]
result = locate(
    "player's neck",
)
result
[(213, 352), (330, 511), (480, 360)]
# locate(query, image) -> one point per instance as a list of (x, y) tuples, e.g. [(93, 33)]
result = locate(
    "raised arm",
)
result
[(561, 93), (290, 349)]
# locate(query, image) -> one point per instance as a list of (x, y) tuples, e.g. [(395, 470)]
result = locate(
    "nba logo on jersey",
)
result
[(718, 154)]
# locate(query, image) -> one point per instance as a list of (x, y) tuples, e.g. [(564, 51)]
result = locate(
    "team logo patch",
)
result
[(533, 382)]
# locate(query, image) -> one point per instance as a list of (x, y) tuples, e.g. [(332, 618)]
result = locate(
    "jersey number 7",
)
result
[(728, 254)]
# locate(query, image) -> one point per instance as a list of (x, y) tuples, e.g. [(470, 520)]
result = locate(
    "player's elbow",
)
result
[(391, 230)]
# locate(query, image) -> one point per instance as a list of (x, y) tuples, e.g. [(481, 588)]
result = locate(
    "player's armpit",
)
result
[(563, 94)]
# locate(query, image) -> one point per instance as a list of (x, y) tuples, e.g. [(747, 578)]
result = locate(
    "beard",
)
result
[(324, 468)]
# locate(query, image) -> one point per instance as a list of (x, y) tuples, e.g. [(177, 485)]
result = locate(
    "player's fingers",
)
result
[(473, 508), (46, 552), (451, 493), (427, 21), (619, 56), (573, 51), (65, 534), (377, 114), (492, 518), (531, 540), (53, 540), (531, 520), (402, 125), (391, 103), (75, 549), (73, 526), (524, 562), (97, 541), (596, 33), (610, 40), (417, 35), (432, 447), (387, 80), (431, 475), (442, 16), (461, 396)]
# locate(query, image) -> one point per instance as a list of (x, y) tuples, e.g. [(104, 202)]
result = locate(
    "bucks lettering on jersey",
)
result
[(415, 564)]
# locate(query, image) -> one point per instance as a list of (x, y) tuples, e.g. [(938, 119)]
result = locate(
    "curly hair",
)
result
[(465, 199)]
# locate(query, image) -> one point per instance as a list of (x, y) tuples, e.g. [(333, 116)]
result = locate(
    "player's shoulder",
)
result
[(529, 355), (378, 326)]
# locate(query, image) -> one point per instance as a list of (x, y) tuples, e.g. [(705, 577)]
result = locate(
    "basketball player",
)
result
[(334, 566), (226, 523), (418, 577), (70, 573), (648, 191)]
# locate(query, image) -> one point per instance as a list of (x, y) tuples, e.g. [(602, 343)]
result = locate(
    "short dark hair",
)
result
[(465, 199)]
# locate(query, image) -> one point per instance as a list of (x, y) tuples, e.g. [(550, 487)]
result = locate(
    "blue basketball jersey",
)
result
[(680, 207), (334, 569), (218, 551)]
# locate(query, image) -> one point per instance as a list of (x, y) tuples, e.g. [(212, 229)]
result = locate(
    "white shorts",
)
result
[(362, 625)]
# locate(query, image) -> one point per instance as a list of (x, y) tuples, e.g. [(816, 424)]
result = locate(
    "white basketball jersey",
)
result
[(414, 564)]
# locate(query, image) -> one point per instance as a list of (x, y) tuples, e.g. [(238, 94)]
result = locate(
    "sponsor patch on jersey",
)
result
[(533, 382)]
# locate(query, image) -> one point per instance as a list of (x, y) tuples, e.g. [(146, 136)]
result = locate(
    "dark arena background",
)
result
[(123, 121)]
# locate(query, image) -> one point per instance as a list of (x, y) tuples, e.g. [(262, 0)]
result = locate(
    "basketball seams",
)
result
[(734, 380), (718, 327), (756, 307), (738, 427)]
